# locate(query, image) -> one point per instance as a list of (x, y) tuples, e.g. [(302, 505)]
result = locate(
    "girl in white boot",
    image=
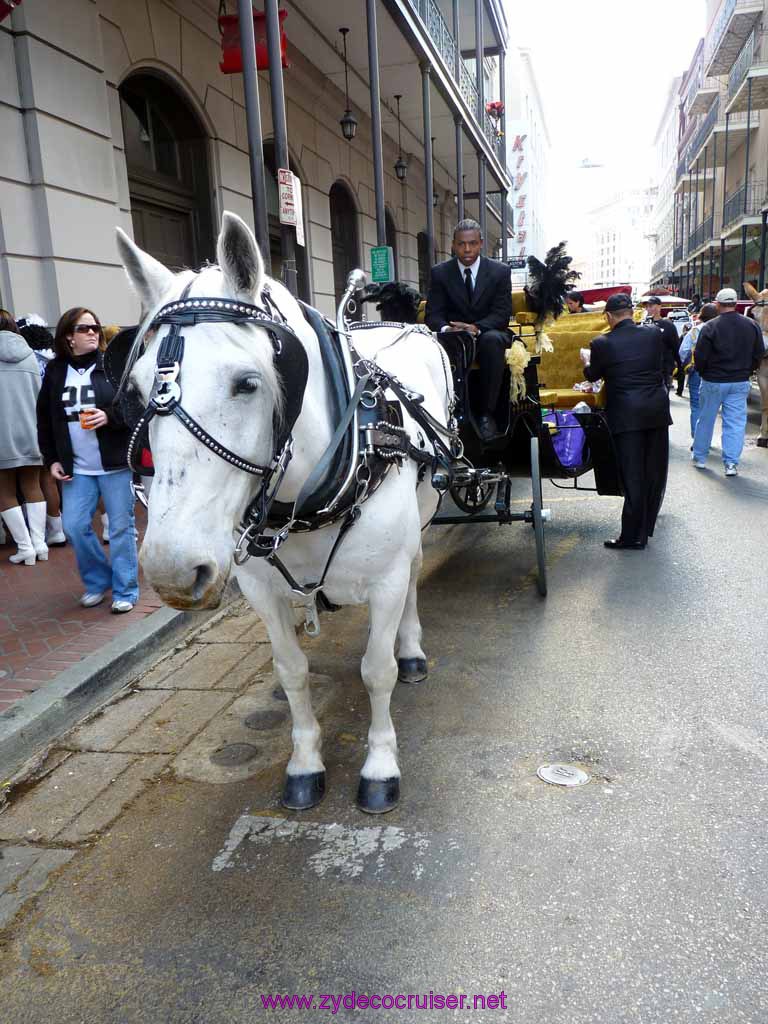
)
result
[(20, 458)]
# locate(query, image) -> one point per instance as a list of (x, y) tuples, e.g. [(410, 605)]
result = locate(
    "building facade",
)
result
[(620, 248), (665, 154), (528, 155), (116, 112), (721, 181)]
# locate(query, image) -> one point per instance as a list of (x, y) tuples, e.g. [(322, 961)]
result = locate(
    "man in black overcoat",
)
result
[(630, 359), (473, 295)]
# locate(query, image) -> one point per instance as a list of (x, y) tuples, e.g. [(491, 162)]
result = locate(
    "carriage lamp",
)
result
[(401, 167), (349, 121)]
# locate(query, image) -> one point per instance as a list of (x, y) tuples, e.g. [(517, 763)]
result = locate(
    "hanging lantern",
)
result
[(349, 121), (401, 167), (232, 54)]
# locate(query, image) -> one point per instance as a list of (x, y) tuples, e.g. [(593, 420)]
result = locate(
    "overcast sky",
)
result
[(604, 68)]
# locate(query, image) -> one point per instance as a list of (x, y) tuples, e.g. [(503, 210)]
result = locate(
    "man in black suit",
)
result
[(630, 359), (473, 295)]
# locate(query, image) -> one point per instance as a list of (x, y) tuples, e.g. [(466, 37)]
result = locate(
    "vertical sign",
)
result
[(286, 200), (299, 207)]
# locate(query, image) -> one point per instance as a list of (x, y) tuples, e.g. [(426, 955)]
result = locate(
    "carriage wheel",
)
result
[(538, 518), (472, 498)]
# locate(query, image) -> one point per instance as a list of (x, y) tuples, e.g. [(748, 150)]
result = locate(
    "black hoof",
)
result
[(378, 797), (411, 670), (762, 442), (303, 791)]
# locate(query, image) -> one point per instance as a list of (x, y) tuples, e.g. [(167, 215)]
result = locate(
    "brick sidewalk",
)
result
[(43, 629)]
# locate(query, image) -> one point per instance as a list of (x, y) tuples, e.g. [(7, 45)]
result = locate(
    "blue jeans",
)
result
[(733, 399), (80, 496), (694, 383)]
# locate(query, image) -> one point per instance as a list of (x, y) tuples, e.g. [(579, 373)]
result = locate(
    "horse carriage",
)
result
[(273, 432)]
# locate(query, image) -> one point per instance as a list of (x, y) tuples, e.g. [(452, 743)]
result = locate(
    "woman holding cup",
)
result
[(84, 442)]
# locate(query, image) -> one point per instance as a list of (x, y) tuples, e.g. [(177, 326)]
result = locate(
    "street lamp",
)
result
[(349, 121), (401, 167)]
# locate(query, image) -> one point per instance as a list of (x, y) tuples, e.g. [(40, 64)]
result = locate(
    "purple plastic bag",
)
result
[(568, 440)]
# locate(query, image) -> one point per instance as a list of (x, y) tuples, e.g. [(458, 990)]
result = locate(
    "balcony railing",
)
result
[(678, 253), (742, 66), (720, 27), (746, 201), (738, 17), (705, 232), (661, 265), (443, 38), (701, 136)]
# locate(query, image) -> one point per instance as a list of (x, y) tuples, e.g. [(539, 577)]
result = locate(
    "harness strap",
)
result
[(321, 468)]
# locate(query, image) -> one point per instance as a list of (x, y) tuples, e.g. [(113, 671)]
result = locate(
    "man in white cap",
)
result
[(728, 351)]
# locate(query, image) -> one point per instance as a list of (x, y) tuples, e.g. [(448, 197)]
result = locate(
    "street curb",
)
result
[(37, 720)]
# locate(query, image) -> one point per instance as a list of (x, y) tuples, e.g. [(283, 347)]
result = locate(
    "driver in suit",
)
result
[(471, 294)]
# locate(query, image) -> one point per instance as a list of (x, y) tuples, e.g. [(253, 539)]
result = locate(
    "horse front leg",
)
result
[(305, 775), (379, 789), (762, 380), (411, 660)]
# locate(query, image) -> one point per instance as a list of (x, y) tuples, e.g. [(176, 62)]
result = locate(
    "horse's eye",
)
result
[(247, 385)]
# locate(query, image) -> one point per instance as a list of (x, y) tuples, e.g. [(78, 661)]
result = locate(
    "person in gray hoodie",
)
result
[(20, 458)]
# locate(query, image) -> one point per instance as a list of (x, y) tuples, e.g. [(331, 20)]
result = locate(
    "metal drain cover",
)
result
[(562, 775), (269, 718), (234, 754)]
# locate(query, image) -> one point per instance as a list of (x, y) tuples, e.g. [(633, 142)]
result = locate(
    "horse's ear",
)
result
[(239, 258), (150, 279), (751, 291)]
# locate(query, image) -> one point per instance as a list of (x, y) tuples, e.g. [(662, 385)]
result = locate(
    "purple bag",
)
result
[(568, 439)]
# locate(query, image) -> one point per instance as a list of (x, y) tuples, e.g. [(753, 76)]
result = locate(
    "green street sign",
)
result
[(382, 264)]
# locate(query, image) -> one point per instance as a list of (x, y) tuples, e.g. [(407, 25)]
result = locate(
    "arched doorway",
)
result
[(166, 154), (344, 237), (273, 211), (392, 240)]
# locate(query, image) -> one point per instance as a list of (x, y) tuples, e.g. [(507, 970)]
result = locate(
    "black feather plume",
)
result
[(550, 281)]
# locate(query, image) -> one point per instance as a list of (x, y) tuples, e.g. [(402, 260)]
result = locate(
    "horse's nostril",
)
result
[(204, 576)]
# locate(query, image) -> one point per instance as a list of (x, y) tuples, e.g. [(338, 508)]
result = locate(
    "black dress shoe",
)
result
[(486, 427), (621, 545)]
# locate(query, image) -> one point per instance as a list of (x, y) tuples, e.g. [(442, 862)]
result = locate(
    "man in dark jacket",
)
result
[(472, 295), (630, 359), (728, 351), (670, 338)]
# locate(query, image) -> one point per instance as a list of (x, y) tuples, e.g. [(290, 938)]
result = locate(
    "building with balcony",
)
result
[(665, 152), (117, 113), (721, 192)]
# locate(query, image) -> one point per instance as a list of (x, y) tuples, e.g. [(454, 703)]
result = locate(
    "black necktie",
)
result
[(468, 283)]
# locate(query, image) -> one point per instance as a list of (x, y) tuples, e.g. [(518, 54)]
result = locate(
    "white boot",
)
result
[(14, 520), (54, 531), (36, 518), (105, 527)]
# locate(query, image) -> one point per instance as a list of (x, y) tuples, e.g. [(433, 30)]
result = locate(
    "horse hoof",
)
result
[(411, 670), (377, 796), (762, 442), (303, 791)]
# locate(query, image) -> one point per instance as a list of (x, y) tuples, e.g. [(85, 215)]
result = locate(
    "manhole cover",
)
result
[(562, 775), (267, 719), (234, 754)]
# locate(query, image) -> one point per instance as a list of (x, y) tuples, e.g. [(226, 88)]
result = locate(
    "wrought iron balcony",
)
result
[(444, 41), (704, 233), (731, 28), (662, 265), (702, 134), (678, 254), (742, 66), (746, 201)]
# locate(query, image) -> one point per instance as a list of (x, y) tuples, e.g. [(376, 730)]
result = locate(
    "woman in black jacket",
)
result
[(84, 440)]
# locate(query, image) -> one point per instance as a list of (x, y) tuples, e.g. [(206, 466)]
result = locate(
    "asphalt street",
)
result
[(639, 897)]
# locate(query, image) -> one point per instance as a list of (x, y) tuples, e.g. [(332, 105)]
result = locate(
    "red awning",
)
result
[(6, 6)]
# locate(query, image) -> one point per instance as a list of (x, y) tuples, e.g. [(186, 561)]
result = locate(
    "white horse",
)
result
[(761, 316), (230, 386)]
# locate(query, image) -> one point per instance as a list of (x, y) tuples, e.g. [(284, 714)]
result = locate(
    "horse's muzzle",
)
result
[(205, 592)]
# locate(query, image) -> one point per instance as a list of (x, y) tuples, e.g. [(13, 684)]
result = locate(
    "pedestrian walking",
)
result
[(84, 441), (630, 359), (669, 336), (20, 458), (687, 348), (728, 351)]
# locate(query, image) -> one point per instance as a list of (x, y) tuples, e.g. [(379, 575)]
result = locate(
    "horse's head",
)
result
[(230, 387), (760, 311)]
